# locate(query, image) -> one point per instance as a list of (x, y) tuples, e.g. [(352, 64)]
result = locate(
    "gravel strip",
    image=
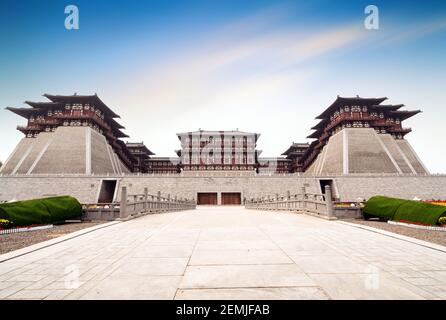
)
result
[(438, 237), (14, 241)]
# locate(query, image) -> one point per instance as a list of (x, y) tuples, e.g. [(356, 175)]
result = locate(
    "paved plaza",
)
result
[(227, 253)]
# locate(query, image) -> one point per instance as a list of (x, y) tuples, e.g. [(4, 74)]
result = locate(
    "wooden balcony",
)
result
[(29, 128), (99, 121), (350, 117)]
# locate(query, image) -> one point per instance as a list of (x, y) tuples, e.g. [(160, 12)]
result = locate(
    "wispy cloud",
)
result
[(234, 62), (397, 34), (238, 76)]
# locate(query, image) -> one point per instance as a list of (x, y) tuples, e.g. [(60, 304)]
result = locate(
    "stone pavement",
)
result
[(227, 253)]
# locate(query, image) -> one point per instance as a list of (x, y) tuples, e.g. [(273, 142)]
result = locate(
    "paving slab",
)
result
[(141, 267), (245, 276), (231, 257), (226, 253), (291, 293), (134, 288), (363, 286)]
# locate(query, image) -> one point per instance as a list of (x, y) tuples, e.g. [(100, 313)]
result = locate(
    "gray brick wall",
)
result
[(347, 188)]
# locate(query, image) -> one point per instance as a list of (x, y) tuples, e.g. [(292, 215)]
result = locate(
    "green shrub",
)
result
[(403, 210), (382, 207), (41, 211)]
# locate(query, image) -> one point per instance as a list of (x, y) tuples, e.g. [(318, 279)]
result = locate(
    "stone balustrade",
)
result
[(136, 204), (320, 204)]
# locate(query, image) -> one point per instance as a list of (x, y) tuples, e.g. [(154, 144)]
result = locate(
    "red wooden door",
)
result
[(207, 198), (231, 198)]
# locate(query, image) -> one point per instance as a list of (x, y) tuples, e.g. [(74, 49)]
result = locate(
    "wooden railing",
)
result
[(321, 204), (135, 204)]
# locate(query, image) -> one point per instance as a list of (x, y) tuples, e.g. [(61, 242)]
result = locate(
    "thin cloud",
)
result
[(410, 32), (205, 71)]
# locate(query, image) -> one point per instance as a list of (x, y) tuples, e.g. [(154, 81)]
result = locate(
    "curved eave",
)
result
[(118, 133), (121, 134), (44, 105), (93, 99), (320, 124), (115, 124), (309, 150), (24, 112), (343, 100), (139, 147), (315, 135), (403, 115), (293, 149), (217, 133), (388, 107), (125, 150)]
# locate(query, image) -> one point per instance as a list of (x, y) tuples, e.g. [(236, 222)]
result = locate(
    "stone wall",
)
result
[(346, 188), (351, 188)]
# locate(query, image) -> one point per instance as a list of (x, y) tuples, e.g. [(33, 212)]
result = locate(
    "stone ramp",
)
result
[(362, 150), (22, 149), (396, 153), (366, 153), (331, 157), (101, 157), (66, 152), (412, 157), (39, 146)]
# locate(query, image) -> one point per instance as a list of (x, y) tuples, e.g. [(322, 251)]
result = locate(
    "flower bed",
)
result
[(348, 204), (5, 224), (437, 202)]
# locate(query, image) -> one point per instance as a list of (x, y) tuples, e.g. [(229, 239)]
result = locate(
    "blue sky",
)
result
[(261, 66)]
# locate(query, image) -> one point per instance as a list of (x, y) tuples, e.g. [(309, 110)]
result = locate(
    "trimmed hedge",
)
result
[(41, 211), (403, 210)]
